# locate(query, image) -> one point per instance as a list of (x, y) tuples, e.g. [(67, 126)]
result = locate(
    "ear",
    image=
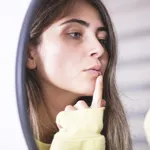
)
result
[(31, 55)]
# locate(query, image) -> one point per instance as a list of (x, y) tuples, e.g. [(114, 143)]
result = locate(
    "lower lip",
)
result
[(94, 72)]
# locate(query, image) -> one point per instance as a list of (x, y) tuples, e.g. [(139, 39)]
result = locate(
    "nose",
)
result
[(96, 50)]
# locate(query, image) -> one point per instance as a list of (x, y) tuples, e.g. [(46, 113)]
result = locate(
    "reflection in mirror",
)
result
[(71, 44), (73, 102)]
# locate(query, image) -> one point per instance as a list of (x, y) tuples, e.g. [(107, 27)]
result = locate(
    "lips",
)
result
[(94, 70)]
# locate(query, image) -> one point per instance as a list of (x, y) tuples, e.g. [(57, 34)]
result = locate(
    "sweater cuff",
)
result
[(81, 123)]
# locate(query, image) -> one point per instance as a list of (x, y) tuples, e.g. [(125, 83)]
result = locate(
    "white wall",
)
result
[(11, 17), (132, 24)]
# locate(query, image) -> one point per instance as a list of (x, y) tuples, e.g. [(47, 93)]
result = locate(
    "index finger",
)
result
[(98, 92)]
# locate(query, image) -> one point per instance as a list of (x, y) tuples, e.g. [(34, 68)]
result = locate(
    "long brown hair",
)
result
[(116, 129)]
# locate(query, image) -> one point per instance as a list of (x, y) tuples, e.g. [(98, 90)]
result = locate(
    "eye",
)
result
[(75, 35), (103, 42)]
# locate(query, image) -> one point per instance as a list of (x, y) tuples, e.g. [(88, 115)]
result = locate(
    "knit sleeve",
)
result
[(81, 130)]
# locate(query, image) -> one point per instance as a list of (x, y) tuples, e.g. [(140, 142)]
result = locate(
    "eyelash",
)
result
[(70, 34), (103, 42)]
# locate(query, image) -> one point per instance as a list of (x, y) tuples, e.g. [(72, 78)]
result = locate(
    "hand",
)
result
[(97, 101)]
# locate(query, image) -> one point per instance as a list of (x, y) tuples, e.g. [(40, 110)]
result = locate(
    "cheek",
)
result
[(55, 63), (49, 61)]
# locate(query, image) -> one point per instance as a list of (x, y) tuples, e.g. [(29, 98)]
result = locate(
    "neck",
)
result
[(55, 100)]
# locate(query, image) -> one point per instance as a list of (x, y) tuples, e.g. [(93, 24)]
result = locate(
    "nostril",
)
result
[(95, 55)]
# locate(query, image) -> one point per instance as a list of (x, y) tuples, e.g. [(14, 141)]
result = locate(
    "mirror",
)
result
[(20, 75), (84, 42)]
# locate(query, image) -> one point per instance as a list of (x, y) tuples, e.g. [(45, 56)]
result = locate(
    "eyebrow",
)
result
[(84, 23)]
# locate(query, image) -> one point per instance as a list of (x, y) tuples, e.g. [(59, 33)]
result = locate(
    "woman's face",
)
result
[(70, 46)]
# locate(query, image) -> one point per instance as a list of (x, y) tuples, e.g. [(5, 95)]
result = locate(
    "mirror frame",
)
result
[(20, 74)]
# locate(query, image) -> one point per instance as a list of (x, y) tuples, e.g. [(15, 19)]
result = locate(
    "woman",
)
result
[(71, 67)]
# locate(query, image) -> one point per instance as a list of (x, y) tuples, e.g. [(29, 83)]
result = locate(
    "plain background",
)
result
[(11, 18), (131, 19)]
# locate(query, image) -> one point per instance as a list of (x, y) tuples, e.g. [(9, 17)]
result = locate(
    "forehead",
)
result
[(84, 11)]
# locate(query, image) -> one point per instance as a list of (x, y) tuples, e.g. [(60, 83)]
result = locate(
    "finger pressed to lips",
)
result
[(97, 98), (97, 101), (97, 95)]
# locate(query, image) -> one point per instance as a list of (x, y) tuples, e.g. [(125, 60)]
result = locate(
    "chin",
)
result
[(87, 90)]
